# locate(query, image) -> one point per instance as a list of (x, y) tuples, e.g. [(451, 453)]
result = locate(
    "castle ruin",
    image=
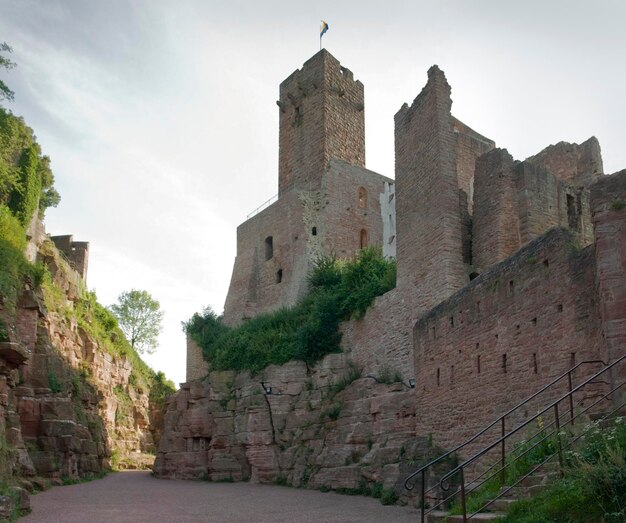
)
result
[(508, 273)]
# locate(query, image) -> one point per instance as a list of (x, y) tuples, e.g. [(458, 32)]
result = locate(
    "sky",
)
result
[(161, 123)]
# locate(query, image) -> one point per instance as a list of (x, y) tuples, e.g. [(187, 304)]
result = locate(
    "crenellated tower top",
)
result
[(321, 117)]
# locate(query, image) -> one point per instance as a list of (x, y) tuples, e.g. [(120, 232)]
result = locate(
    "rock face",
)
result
[(322, 428), (69, 407)]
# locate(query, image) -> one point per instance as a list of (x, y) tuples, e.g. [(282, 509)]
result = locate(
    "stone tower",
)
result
[(321, 117), (328, 203)]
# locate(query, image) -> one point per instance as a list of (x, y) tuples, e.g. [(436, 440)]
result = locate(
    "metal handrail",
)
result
[(522, 425), (494, 423), (265, 204), (558, 452), (444, 481)]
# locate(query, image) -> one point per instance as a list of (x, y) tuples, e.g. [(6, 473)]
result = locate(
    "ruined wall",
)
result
[(197, 367), (577, 164), (429, 227), (308, 432), (321, 117), (608, 197), (77, 253), (516, 202), (512, 329), (469, 146)]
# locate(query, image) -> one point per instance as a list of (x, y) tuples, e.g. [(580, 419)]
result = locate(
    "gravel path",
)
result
[(136, 497)]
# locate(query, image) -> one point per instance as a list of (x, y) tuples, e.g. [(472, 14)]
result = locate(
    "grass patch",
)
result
[(338, 290), (354, 373), (526, 460), (594, 486)]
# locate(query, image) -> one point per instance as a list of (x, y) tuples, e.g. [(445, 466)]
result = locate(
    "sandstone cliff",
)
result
[(75, 400)]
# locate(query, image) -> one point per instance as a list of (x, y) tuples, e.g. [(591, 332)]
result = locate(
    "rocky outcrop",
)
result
[(70, 406), (324, 427)]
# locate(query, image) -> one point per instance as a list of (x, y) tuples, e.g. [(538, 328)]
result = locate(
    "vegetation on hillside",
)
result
[(338, 290), (26, 186)]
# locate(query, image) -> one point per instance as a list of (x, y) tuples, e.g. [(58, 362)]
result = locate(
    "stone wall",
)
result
[(274, 240), (276, 248), (573, 163), (509, 332), (308, 432), (429, 226), (197, 367), (321, 118), (77, 253), (608, 201), (350, 214), (469, 146), (516, 202)]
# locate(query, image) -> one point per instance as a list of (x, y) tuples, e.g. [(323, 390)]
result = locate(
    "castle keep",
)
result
[(328, 203), (508, 273)]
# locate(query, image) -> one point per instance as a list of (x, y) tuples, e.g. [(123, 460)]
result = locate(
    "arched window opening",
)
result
[(269, 248), (362, 197), (279, 276), (363, 238), (314, 231)]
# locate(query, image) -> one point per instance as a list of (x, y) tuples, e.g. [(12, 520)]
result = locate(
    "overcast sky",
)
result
[(161, 122)]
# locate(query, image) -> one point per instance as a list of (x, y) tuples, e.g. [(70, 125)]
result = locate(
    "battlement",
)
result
[(321, 118), (77, 253)]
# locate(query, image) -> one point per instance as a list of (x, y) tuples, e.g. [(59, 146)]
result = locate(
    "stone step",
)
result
[(501, 504), (522, 492), (482, 516), (440, 516), (436, 516)]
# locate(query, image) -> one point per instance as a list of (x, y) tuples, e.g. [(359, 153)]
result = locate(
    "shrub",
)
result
[(388, 496), (338, 291)]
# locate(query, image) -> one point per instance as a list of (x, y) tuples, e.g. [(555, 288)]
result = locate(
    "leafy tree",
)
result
[(140, 319), (5, 92)]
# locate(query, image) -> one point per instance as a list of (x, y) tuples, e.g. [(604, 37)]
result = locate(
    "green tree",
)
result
[(140, 319), (5, 92)]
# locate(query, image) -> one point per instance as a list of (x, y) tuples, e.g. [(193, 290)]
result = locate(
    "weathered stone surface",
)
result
[(300, 435)]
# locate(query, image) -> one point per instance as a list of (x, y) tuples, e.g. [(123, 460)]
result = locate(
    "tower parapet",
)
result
[(321, 117)]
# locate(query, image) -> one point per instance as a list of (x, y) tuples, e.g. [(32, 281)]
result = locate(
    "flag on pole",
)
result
[(323, 28)]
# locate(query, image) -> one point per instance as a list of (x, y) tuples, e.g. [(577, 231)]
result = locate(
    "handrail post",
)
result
[(558, 437), (423, 492), (463, 506), (503, 456), (571, 398)]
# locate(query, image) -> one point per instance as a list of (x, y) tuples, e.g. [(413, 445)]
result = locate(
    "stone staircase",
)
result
[(529, 486)]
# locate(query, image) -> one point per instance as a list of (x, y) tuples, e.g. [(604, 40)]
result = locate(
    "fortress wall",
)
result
[(197, 368), (516, 202), (469, 146), (608, 197), (509, 332), (321, 117), (577, 164), (429, 228), (382, 339), (254, 286), (496, 218), (347, 212)]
